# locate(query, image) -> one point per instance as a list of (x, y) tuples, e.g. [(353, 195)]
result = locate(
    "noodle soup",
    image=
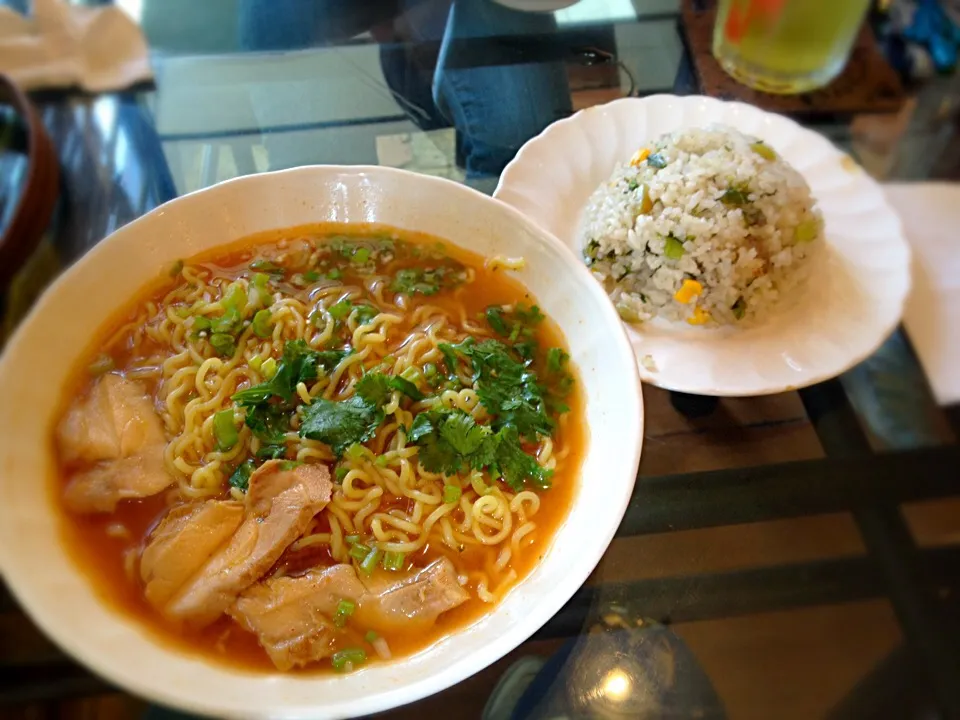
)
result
[(325, 447)]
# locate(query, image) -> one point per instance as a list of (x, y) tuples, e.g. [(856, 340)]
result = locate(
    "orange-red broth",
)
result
[(100, 553)]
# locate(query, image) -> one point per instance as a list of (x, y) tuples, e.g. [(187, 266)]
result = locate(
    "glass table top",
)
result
[(790, 556)]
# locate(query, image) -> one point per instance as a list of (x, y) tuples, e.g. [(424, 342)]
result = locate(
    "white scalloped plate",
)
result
[(848, 310)]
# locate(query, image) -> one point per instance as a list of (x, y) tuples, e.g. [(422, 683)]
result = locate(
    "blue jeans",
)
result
[(495, 108)]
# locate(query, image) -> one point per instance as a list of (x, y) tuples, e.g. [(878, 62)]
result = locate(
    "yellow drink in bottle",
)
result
[(786, 46)]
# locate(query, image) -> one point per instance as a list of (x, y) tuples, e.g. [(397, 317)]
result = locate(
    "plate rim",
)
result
[(897, 237)]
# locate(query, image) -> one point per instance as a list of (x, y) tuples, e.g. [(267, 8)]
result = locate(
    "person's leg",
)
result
[(498, 107), (278, 24), (297, 24), (408, 58)]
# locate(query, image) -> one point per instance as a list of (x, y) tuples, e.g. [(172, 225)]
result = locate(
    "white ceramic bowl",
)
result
[(39, 357), (855, 302)]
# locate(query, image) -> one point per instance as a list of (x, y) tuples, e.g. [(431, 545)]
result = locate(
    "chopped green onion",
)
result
[(262, 327), (352, 539), (556, 359), (224, 344), (335, 274), (359, 551), (267, 267), (102, 364), (356, 452), (361, 256), (341, 310), (225, 430), (255, 362), (735, 196), (269, 368), (451, 494), (311, 276), (371, 560), (366, 313), (763, 150), (411, 374), (430, 372), (371, 637), (235, 297), (340, 473), (260, 280), (673, 248), (394, 561), (201, 324), (345, 609), (381, 461), (346, 659), (388, 360)]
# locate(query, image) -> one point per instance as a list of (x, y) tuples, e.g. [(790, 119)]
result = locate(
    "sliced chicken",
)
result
[(415, 600), (271, 524), (116, 436), (98, 489), (292, 615), (116, 420), (183, 542), (270, 479)]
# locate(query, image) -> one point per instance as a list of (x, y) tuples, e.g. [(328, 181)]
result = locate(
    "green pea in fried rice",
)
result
[(706, 225)]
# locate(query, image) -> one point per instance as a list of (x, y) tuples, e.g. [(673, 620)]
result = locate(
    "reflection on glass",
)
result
[(624, 668), (478, 82)]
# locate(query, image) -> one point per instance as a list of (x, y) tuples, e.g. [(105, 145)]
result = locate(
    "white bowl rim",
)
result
[(130, 678)]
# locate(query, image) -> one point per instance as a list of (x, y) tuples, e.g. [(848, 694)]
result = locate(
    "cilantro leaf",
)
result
[(406, 387), (516, 466), (366, 313), (240, 478), (426, 281), (298, 364), (268, 422), (507, 388), (463, 434), (376, 387), (435, 452), (421, 427), (495, 319), (341, 424), (521, 322), (329, 359), (271, 452), (437, 456), (450, 441)]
